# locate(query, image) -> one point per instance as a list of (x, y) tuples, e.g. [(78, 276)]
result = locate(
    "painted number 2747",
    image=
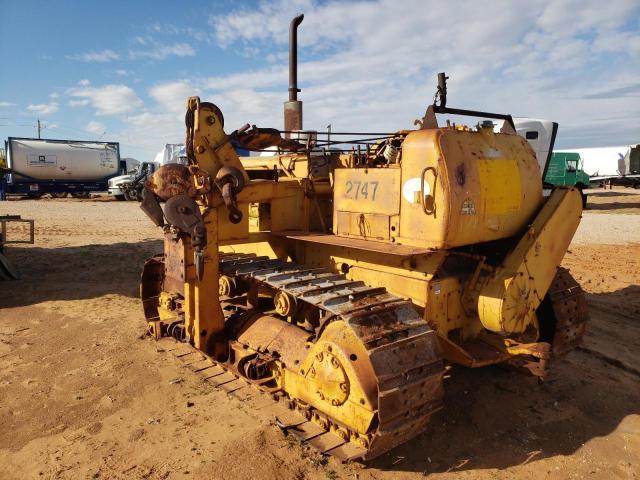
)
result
[(358, 190)]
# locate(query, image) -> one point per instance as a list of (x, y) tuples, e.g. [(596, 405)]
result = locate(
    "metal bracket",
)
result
[(230, 182), (183, 213)]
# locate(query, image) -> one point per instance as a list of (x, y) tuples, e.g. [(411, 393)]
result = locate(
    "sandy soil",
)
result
[(84, 395), (616, 200)]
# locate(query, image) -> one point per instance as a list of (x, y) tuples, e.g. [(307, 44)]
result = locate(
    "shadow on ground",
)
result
[(612, 193), (612, 206), (495, 418), (72, 273)]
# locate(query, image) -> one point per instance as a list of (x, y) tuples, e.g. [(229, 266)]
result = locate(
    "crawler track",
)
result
[(401, 347), (570, 311)]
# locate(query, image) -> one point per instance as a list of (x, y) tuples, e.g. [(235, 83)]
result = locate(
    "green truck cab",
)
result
[(565, 169)]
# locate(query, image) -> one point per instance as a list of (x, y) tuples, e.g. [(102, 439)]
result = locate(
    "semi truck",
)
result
[(610, 165), (566, 169), (557, 168), (35, 167)]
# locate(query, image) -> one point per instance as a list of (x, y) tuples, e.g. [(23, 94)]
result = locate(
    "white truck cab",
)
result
[(541, 135), (116, 183)]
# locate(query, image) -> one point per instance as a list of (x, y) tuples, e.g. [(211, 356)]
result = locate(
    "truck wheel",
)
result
[(58, 194), (120, 198)]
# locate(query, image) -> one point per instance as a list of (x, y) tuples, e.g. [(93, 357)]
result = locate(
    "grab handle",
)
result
[(428, 209)]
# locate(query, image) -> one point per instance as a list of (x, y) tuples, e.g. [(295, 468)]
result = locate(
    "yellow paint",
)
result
[(346, 390), (470, 199), (367, 190), (479, 187), (500, 185), (510, 296)]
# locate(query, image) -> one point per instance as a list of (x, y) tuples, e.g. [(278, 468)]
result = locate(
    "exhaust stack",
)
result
[(293, 108)]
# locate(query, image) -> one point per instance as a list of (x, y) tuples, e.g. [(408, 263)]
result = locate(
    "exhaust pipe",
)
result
[(293, 108)]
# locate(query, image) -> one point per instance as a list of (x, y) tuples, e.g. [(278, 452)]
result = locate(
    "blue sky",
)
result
[(122, 70)]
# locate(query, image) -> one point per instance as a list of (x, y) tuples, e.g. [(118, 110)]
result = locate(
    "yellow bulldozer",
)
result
[(341, 281)]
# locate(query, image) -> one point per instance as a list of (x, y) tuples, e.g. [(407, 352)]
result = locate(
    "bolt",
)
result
[(343, 387), (320, 395), (211, 120), (319, 356), (200, 149), (335, 363), (335, 402)]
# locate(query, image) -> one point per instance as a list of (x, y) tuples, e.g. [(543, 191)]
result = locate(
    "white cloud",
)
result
[(84, 82), (360, 70), (371, 65), (173, 96), (170, 29), (101, 57), (7, 104), (146, 132), (250, 79), (95, 127), (109, 99), (160, 52), (122, 72), (54, 95), (78, 103), (43, 108)]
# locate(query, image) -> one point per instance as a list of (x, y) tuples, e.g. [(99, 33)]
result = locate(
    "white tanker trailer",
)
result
[(60, 167)]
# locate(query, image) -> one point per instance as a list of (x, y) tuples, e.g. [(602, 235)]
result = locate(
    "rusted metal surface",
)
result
[(268, 334), (562, 317), (230, 181), (182, 212), (570, 310), (293, 108), (293, 58), (292, 116), (170, 180), (263, 400), (255, 138), (402, 349), (356, 243), (151, 286), (174, 264)]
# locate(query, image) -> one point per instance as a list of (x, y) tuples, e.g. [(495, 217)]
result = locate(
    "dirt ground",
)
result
[(83, 394), (616, 200)]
